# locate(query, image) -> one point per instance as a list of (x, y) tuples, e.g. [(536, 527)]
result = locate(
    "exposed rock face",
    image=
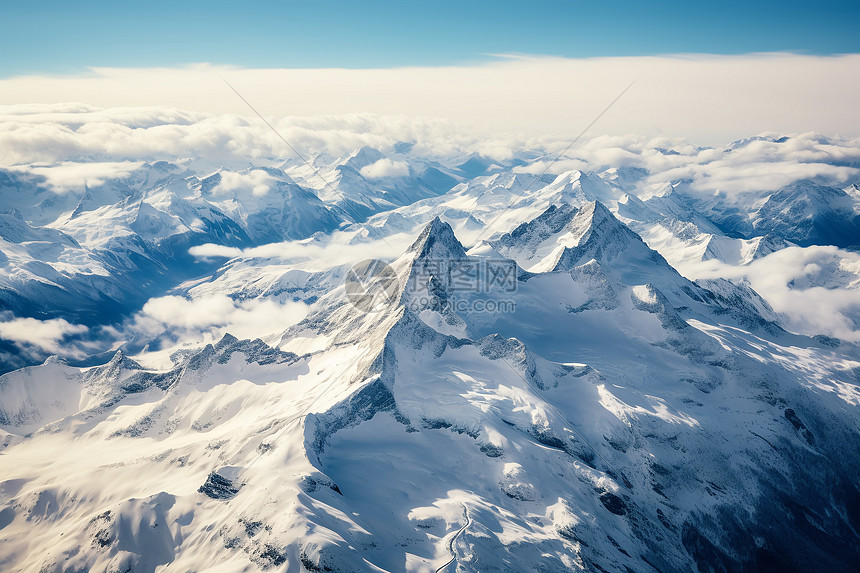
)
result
[(218, 487)]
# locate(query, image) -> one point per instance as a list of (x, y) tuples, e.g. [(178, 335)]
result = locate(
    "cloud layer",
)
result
[(73, 145), (710, 99)]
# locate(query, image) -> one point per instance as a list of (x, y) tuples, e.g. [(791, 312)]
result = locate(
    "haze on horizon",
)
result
[(709, 73)]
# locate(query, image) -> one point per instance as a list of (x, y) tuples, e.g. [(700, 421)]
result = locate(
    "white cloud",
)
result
[(764, 165), (64, 152), (45, 335), (385, 168), (184, 313), (338, 248), (785, 277), (785, 280), (208, 143), (255, 317), (208, 317), (211, 250), (256, 182), (73, 176)]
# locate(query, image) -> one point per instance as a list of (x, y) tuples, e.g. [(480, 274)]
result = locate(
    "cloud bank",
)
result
[(710, 99)]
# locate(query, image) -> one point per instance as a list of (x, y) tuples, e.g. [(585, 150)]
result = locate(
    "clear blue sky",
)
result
[(64, 37)]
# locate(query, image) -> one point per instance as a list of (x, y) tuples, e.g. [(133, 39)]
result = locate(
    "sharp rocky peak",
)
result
[(595, 223), (437, 241), (595, 233), (597, 212), (120, 360)]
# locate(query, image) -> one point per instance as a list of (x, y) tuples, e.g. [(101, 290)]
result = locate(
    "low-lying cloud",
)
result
[(786, 278), (43, 335), (192, 320), (213, 251), (255, 182), (385, 168), (321, 253), (73, 176)]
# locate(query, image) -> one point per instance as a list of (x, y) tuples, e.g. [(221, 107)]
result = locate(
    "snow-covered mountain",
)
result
[(101, 260), (368, 182), (807, 213), (803, 212), (383, 361)]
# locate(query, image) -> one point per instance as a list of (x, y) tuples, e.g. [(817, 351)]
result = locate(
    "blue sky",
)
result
[(67, 37)]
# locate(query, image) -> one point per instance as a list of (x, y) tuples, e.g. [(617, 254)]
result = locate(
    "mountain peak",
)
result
[(561, 232), (437, 240), (808, 213), (578, 187), (598, 212), (564, 237), (363, 157), (594, 219), (595, 233), (226, 340), (473, 167), (119, 361)]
